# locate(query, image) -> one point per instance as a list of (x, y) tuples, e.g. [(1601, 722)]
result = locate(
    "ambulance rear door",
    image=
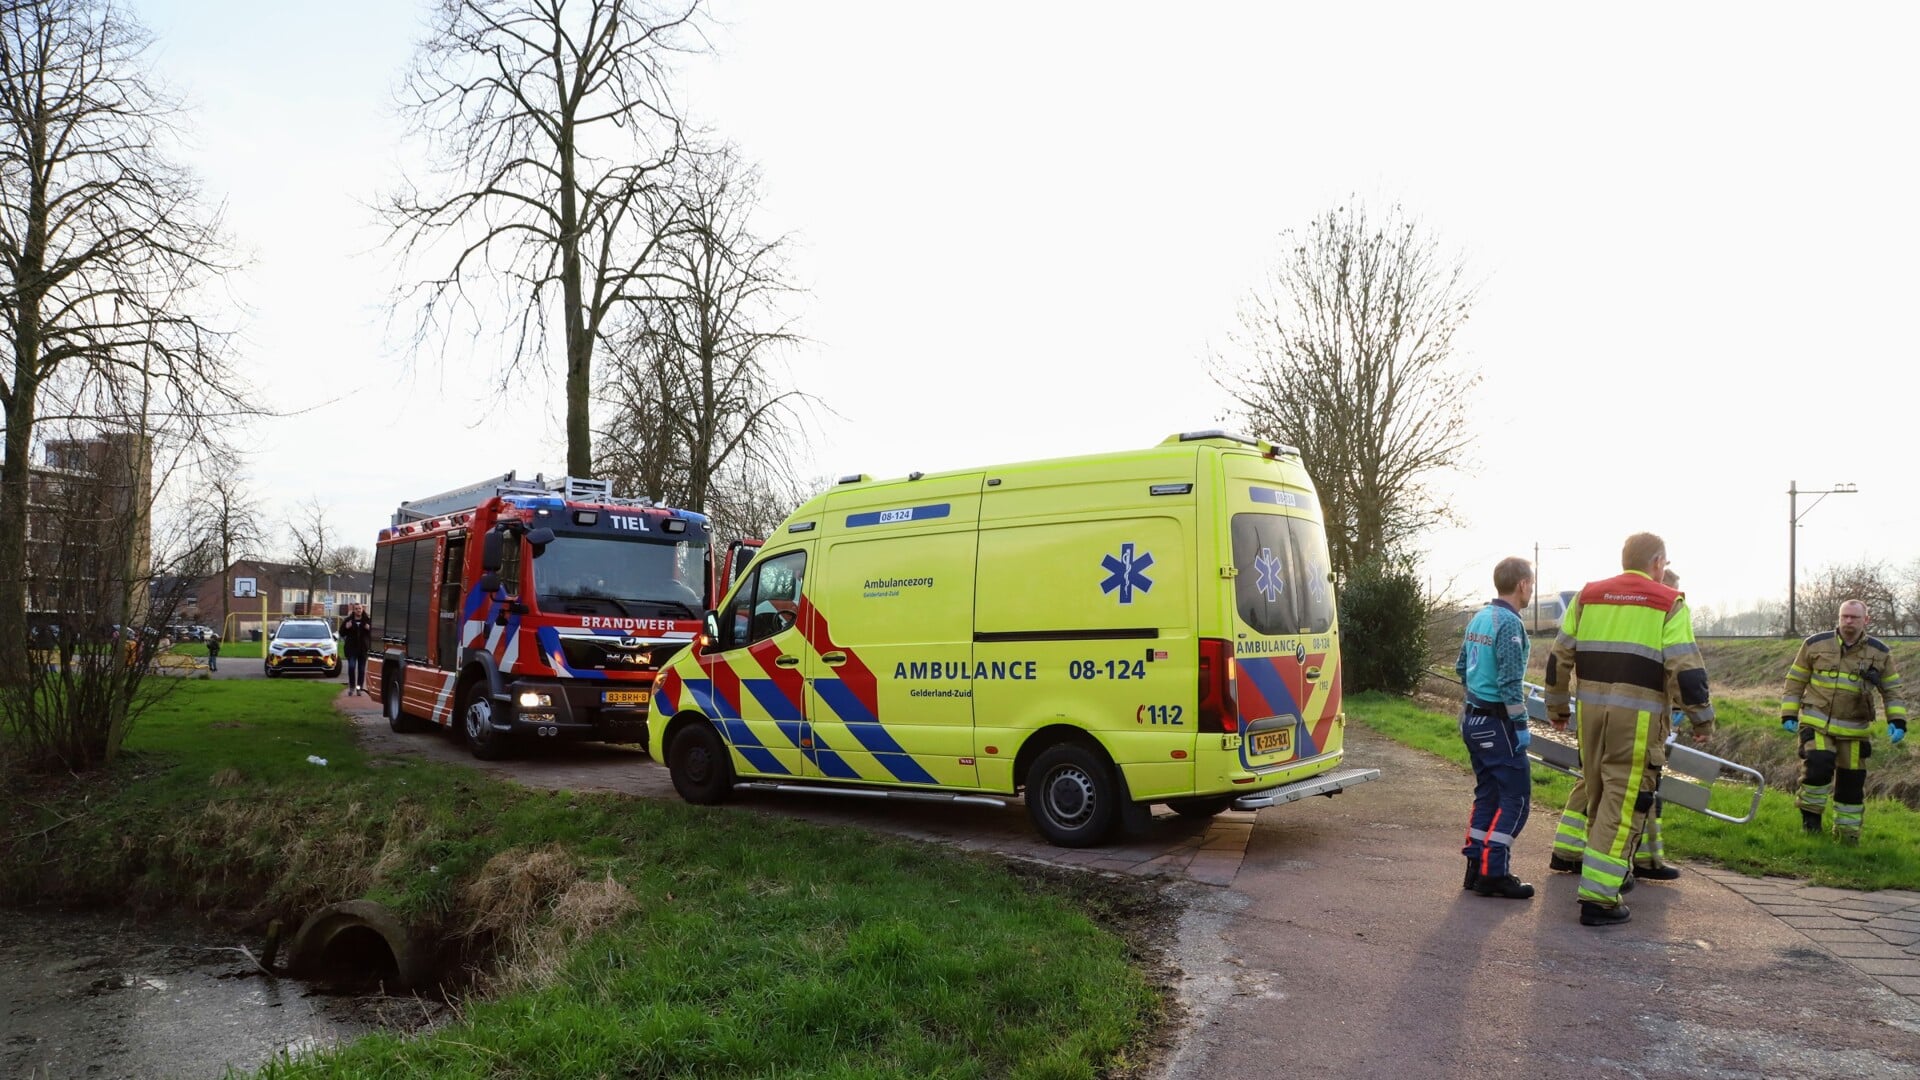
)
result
[(1284, 623)]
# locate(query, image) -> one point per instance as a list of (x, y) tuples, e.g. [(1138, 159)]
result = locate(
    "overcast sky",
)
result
[(1025, 225)]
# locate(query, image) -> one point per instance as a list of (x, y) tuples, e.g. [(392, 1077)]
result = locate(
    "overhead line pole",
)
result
[(1793, 536)]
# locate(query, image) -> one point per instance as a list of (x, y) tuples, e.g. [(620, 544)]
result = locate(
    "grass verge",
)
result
[(645, 938), (1888, 856)]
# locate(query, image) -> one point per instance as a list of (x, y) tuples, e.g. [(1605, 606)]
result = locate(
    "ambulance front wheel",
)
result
[(1072, 795), (698, 763)]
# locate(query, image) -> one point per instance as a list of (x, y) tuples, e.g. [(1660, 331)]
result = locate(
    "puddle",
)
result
[(103, 994)]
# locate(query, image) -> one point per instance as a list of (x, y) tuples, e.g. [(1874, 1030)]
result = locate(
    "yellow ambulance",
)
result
[(1100, 633)]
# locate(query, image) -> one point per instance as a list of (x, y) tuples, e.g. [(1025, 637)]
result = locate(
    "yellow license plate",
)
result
[(303, 659), (624, 697), (1277, 741)]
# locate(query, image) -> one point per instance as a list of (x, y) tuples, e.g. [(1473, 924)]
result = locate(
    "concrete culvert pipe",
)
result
[(360, 941)]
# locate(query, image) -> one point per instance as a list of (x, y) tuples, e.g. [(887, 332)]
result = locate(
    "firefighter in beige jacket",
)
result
[(1829, 700)]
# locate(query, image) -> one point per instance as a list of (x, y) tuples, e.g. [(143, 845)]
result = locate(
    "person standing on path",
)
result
[(356, 638), (1828, 700), (1493, 722), (213, 651), (1629, 641)]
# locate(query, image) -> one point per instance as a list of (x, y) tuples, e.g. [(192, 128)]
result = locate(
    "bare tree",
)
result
[(104, 244), (315, 555), (348, 559), (747, 502), (548, 120), (1822, 593), (230, 526), (1346, 352), (694, 395)]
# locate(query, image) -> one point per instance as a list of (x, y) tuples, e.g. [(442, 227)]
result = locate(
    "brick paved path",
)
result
[(1878, 933)]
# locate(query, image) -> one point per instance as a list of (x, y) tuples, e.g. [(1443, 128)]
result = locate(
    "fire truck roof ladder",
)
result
[(466, 498)]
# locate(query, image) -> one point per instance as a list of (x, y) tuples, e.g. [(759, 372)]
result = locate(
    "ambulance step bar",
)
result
[(1328, 784), (869, 793), (1702, 766)]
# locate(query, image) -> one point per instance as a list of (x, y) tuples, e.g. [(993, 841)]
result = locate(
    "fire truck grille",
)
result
[(606, 654)]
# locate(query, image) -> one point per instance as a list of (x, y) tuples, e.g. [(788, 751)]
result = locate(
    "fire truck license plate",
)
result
[(623, 697), (1277, 741)]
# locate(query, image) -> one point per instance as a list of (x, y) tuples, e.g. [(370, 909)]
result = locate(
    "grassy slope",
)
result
[(726, 944), (1888, 857)]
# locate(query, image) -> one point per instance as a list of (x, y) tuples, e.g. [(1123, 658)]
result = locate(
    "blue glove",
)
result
[(1522, 736), (1791, 723), (1894, 734)]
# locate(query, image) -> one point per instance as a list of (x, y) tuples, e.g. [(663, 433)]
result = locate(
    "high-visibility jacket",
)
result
[(1630, 640), (1830, 685)]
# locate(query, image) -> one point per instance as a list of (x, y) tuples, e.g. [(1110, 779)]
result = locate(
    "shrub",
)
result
[(1383, 628)]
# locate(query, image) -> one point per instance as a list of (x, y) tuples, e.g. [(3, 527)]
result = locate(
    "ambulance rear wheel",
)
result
[(1203, 807), (1072, 795), (698, 763)]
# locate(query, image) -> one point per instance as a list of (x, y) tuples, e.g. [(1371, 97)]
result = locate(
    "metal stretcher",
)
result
[(1686, 781)]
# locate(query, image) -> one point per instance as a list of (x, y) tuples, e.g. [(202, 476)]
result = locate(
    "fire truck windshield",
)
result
[(596, 575)]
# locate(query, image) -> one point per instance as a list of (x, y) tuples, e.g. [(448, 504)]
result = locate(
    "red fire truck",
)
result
[(536, 608)]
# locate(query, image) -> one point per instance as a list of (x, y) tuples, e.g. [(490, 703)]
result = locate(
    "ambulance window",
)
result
[(1282, 586), (768, 602)]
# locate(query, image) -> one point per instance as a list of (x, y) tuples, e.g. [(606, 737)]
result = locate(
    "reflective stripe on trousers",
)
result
[(1613, 763)]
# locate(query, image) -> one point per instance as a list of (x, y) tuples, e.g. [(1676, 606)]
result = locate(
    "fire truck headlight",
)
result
[(530, 699)]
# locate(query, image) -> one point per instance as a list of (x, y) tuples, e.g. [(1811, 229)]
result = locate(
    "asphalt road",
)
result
[(1346, 942)]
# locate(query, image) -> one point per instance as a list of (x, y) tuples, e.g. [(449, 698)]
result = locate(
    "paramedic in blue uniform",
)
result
[(1493, 722)]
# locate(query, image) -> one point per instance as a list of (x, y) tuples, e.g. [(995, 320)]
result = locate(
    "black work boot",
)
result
[(1506, 885), (1656, 873), (1592, 914), (1563, 865), (1626, 885), (1810, 822), (1473, 875)]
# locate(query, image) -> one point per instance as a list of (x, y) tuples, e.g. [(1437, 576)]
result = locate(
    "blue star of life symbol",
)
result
[(1316, 583), (1266, 575), (1125, 573)]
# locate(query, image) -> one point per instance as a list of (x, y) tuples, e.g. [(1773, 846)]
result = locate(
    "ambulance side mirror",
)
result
[(711, 638)]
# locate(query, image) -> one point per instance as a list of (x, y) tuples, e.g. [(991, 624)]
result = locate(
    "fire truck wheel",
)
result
[(1072, 795), (698, 763), (1203, 807), (476, 725), (390, 704)]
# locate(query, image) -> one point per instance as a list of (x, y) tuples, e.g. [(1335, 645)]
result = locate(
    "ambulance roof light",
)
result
[(1216, 433)]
